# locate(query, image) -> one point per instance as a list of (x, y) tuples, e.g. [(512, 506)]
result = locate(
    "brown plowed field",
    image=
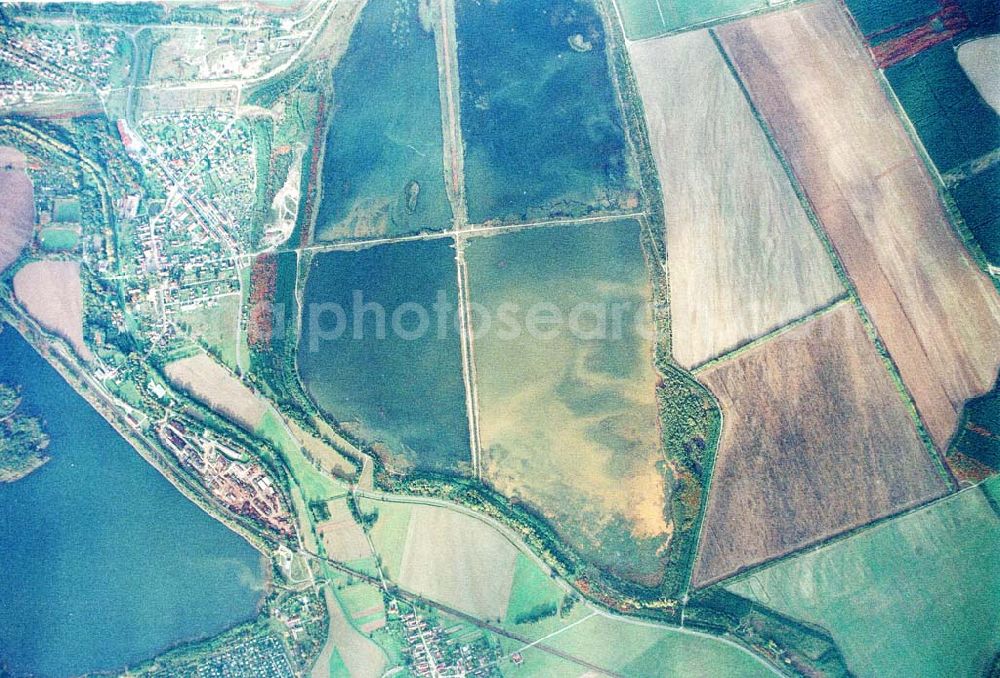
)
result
[(938, 315), (51, 292), (816, 440)]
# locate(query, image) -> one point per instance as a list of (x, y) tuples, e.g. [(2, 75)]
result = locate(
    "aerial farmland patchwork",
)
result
[(500, 338)]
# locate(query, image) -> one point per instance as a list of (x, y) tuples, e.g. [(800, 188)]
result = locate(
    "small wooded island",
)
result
[(22, 439)]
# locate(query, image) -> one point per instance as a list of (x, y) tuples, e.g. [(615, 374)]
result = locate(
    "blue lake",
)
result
[(103, 563)]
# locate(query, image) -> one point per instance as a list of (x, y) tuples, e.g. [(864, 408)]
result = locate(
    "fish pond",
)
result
[(103, 563), (383, 167), (380, 353), (566, 385), (542, 131)]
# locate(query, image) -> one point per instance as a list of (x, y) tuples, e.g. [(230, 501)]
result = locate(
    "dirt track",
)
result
[(938, 315)]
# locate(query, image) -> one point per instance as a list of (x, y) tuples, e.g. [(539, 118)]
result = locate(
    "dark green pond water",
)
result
[(103, 563), (403, 388)]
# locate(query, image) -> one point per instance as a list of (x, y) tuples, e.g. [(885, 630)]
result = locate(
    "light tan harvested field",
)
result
[(455, 559), (743, 258), (17, 208), (218, 388), (937, 313), (12, 159), (342, 536), (816, 440), (50, 292)]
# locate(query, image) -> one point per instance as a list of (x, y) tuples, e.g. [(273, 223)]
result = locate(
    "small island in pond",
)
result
[(22, 439)]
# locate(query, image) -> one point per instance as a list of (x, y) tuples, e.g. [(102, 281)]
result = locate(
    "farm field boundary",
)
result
[(915, 334), (657, 10), (789, 472), (860, 530), (773, 334), (743, 258), (838, 264), (917, 595)]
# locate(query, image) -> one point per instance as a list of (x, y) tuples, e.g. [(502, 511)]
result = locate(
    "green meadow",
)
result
[(915, 596), (315, 485), (218, 326), (649, 18)]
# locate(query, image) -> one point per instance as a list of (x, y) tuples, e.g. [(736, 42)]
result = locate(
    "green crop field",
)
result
[(568, 417), (984, 14), (337, 667), (874, 16), (980, 439), (649, 18), (951, 118), (991, 488), (978, 200), (362, 602), (915, 596), (388, 535), (531, 591)]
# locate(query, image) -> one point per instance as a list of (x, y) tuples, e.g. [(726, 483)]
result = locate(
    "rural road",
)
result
[(500, 631)]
